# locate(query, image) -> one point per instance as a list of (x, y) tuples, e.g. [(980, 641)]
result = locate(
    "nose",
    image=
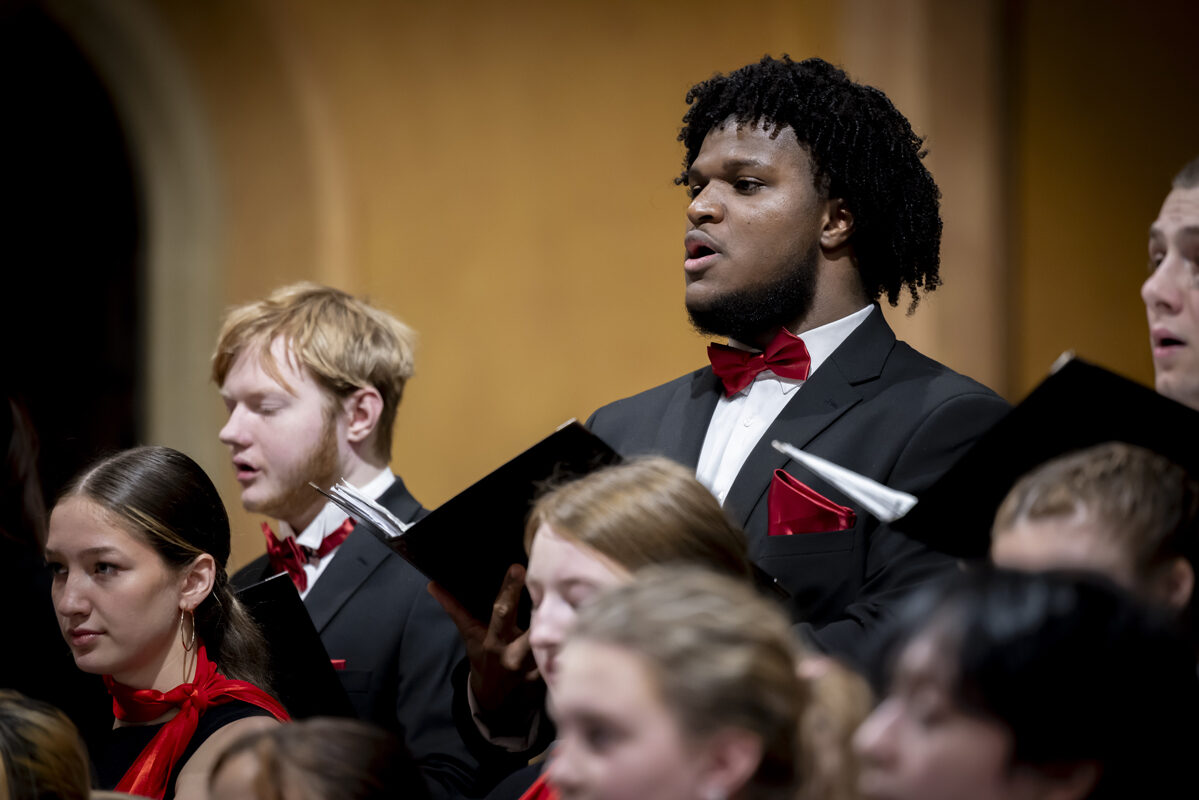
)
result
[(549, 624), (875, 737), (233, 431), (706, 206), (564, 770), (68, 595), (1162, 290)]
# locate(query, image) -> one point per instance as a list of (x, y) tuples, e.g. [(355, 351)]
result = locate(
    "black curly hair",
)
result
[(862, 149)]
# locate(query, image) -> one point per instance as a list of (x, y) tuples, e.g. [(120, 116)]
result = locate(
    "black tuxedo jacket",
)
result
[(371, 608), (875, 406)]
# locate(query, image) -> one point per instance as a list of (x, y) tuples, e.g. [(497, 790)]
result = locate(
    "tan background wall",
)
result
[(1104, 116), (500, 176)]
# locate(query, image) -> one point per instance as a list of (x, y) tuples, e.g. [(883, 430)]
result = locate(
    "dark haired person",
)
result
[(1011, 685), (137, 545), (1171, 292), (808, 201)]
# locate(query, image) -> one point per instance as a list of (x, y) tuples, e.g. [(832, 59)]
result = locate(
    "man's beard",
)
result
[(749, 314), (319, 466)]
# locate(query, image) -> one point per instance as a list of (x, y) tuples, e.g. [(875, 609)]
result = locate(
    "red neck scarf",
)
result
[(150, 772)]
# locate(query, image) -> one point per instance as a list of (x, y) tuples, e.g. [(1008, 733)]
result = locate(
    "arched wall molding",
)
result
[(182, 293)]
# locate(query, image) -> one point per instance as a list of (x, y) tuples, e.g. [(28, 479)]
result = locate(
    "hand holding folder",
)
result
[(503, 676)]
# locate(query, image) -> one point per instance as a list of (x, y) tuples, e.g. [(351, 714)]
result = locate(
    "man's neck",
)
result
[(299, 521), (359, 473), (839, 293)]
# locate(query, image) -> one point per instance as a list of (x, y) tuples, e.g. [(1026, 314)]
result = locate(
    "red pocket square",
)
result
[(796, 508)]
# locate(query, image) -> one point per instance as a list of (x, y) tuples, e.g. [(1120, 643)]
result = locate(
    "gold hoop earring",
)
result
[(187, 646)]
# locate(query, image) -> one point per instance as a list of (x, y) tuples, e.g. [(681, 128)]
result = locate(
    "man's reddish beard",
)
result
[(319, 466)]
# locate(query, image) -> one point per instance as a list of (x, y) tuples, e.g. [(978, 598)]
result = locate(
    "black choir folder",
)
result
[(1078, 405), (468, 543), (304, 678)]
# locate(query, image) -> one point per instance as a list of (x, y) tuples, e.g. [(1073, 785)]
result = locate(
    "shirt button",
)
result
[(748, 422)]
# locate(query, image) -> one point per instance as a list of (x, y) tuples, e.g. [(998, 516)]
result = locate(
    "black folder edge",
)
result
[(468, 543), (571, 451), (304, 678), (1077, 406)]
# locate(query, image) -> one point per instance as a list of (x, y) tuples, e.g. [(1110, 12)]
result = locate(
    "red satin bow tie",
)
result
[(785, 356), (290, 557)]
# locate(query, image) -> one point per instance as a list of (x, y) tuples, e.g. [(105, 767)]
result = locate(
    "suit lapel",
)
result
[(828, 394), (355, 560), (685, 425)]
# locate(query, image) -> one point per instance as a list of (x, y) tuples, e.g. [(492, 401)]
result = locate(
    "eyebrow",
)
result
[(91, 551), (731, 165), (571, 583), (253, 397), (1190, 230)]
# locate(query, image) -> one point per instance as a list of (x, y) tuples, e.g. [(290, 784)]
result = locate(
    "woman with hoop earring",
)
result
[(137, 545)]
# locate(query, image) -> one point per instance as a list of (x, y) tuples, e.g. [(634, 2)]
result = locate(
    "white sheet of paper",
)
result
[(882, 501), (362, 508)]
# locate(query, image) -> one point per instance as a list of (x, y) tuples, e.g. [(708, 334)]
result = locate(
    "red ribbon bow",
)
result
[(150, 772), (290, 557), (785, 356)]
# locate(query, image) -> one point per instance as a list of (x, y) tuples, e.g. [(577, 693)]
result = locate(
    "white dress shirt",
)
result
[(739, 421), (328, 520)]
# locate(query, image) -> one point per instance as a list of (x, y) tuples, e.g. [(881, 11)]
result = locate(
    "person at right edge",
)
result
[(807, 202)]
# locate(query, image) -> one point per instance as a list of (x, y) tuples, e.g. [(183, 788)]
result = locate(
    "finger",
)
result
[(469, 628), (503, 612), (518, 655)]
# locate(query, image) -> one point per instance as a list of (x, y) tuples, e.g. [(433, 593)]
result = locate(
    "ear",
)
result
[(838, 224), (1175, 582), (362, 408), (198, 580), (733, 756)]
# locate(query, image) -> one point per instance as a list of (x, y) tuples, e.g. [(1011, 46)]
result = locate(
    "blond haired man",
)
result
[(312, 378)]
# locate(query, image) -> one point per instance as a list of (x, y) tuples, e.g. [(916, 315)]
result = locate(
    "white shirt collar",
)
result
[(330, 517)]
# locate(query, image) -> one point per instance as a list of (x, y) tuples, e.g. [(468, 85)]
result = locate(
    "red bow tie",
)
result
[(290, 557), (785, 356)]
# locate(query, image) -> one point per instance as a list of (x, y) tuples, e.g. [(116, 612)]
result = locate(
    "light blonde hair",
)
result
[(646, 511), (841, 700), (41, 754), (343, 342), (719, 655)]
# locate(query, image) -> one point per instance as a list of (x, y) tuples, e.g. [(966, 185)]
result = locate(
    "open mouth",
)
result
[(244, 471), (700, 252), (1165, 340)]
